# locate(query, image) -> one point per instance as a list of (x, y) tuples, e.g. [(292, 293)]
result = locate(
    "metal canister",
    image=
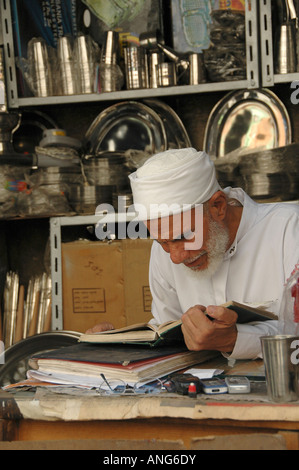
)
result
[(155, 58), (197, 72), (136, 67), (167, 75)]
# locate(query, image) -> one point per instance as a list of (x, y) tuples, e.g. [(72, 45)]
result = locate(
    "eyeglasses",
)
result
[(151, 386)]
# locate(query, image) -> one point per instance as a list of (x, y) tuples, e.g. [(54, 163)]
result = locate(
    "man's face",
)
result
[(200, 246)]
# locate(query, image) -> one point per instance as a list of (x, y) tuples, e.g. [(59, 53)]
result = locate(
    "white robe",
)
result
[(254, 270)]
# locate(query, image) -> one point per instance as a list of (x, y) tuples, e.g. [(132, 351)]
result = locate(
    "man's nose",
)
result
[(177, 252)]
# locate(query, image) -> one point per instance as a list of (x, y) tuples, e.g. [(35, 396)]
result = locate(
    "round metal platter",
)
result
[(17, 356), (177, 136), (124, 126), (247, 119)]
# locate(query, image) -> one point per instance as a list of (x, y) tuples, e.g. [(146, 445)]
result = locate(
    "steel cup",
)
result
[(136, 67), (110, 74), (85, 63), (155, 58), (285, 50), (40, 68), (167, 75), (66, 66), (197, 73), (110, 48), (281, 367)]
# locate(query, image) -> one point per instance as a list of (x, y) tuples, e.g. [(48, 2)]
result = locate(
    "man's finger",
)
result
[(222, 314)]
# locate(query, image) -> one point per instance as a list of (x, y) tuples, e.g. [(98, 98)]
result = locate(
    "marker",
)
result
[(192, 392)]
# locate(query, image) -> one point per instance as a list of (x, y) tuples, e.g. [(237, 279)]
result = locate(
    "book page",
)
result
[(124, 329), (123, 336)]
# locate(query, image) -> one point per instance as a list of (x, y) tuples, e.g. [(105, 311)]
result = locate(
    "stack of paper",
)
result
[(82, 364)]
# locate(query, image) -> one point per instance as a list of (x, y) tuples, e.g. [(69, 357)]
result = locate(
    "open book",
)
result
[(169, 332), (139, 333)]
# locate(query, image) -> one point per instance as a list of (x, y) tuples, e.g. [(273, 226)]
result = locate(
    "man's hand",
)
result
[(100, 327), (218, 333)]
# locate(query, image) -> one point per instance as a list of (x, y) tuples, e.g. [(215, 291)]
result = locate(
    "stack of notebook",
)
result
[(83, 364)]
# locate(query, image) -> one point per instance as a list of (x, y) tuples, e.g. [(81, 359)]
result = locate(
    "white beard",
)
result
[(216, 247)]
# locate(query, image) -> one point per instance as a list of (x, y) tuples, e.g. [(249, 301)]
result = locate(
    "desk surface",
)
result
[(46, 404), (44, 414)]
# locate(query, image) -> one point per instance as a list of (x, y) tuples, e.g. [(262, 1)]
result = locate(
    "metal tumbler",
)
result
[(66, 66), (281, 367), (136, 67), (84, 58), (40, 67)]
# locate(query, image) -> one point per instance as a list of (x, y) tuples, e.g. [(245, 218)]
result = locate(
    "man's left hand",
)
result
[(219, 332)]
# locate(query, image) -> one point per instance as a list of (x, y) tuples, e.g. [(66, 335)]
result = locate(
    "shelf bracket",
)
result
[(56, 273), (266, 44), (252, 62), (9, 57)]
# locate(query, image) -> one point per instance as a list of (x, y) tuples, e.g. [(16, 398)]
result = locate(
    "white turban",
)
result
[(173, 181)]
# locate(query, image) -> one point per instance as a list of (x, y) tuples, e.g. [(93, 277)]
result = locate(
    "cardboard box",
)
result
[(137, 295), (104, 281)]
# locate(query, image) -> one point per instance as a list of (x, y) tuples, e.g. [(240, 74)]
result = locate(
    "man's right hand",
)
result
[(104, 326), (213, 328)]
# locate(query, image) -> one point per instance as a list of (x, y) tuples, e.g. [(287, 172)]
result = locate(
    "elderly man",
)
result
[(216, 245)]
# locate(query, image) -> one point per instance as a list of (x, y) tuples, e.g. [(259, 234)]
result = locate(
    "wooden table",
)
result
[(43, 419)]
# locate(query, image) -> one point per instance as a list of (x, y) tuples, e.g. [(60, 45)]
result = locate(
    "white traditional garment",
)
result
[(254, 270)]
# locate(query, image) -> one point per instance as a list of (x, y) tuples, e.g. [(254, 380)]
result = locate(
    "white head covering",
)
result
[(171, 182)]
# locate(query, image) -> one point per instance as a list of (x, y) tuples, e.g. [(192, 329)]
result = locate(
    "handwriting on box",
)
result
[(89, 300)]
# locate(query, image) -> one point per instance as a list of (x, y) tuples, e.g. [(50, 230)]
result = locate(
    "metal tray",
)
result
[(18, 355), (247, 119), (126, 125), (177, 136)]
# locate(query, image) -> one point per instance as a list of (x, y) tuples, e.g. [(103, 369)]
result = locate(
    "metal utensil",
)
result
[(136, 67), (285, 50), (197, 72), (281, 374), (110, 48), (66, 65), (10, 307), (85, 61), (166, 74), (40, 67), (153, 40), (155, 58)]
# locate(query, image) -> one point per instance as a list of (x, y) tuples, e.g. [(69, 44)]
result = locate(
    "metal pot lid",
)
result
[(247, 119), (126, 125)]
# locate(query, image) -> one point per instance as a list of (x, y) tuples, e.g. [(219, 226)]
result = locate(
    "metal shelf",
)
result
[(252, 70), (268, 77), (286, 78), (132, 94)]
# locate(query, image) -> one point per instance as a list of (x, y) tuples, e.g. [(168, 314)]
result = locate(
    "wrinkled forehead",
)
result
[(174, 226)]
